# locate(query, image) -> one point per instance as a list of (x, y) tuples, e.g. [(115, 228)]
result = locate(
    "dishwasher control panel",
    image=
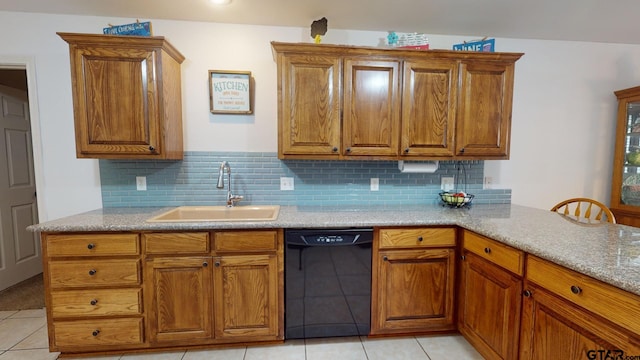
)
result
[(322, 237)]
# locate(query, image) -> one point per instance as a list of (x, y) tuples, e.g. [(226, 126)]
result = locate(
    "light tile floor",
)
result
[(23, 335)]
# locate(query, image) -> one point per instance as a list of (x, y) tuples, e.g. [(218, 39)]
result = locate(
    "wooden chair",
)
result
[(585, 208)]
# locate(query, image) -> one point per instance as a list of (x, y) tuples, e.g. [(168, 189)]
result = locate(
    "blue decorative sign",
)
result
[(484, 45), (137, 29)]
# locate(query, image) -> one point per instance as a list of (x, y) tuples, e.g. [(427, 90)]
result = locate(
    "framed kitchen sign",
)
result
[(230, 92)]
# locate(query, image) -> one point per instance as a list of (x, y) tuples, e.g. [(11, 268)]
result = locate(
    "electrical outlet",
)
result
[(375, 184), (488, 182), (286, 183), (446, 183), (141, 183)]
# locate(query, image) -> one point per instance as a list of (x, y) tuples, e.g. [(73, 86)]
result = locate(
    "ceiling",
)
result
[(613, 21)]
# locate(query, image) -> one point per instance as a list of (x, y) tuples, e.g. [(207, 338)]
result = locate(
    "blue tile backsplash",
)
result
[(256, 176)]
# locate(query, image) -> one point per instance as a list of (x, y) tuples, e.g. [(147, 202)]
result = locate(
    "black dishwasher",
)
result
[(327, 282)]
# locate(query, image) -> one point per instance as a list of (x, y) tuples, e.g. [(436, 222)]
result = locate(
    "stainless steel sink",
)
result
[(218, 213)]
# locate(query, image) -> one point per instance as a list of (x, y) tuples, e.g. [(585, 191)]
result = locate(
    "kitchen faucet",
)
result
[(231, 199)]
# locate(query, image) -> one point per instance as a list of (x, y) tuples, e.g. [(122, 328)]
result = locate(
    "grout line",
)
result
[(422, 347)]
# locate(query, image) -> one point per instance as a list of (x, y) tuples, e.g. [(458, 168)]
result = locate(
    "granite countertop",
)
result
[(610, 253)]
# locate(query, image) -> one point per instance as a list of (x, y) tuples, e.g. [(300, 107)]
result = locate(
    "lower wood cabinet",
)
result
[(118, 292), (413, 280), (180, 299), (489, 307), (231, 294), (246, 297), (152, 290), (553, 328), (567, 315), (489, 296), (93, 291)]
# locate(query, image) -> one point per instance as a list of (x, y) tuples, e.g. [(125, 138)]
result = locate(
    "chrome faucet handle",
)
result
[(233, 199)]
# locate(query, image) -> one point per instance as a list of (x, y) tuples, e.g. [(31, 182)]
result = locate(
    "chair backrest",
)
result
[(585, 208)]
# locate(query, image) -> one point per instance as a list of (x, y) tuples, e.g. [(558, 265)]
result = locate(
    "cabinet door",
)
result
[(489, 307), (556, 329), (246, 297), (371, 113), (179, 299), (483, 121), (413, 291), (309, 117), (428, 108), (115, 101)]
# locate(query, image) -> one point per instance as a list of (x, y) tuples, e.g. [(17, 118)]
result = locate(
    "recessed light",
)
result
[(220, 2)]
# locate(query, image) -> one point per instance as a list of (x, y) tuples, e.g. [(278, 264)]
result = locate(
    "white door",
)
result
[(20, 253)]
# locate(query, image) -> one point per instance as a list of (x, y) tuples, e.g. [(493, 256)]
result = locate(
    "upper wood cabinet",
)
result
[(127, 100), (341, 102), (371, 108)]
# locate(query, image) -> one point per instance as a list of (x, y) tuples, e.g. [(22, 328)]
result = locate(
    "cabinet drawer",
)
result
[(502, 255), (92, 244), (70, 303), (613, 304), (176, 243), (92, 333), (417, 237), (246, 241), (94, 272)]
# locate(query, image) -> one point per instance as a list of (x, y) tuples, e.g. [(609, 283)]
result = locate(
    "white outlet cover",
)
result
[(375, 184), (447, 183), (141, 183), (286, 183)]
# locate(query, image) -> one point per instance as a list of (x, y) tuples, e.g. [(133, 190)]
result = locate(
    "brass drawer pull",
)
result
[(420, 238), (487, 250), (576, 289), (91, 246), (92, 272), (94, 302), (95, 332)]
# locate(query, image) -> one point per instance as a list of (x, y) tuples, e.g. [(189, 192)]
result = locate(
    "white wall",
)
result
[(563, 111)]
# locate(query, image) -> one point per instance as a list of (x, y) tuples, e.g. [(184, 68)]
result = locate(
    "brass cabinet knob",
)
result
[(205, 264), (95, 332), (420, 238), (335, 149), (406, 150), (94, 302), (487, 250), (92, 272), (217, 263), (91, 246), (385, 258), (151, 148), (576, 289), (526, 293)]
